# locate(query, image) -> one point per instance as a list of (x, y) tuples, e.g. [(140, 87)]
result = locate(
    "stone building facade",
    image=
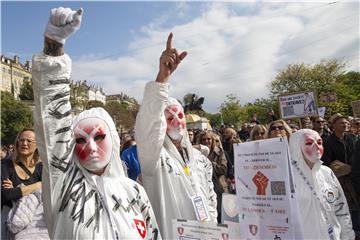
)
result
[(13, 74)]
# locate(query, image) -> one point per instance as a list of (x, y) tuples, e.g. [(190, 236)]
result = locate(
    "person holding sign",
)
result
[(177, 177), (324, 210), (85, 191)]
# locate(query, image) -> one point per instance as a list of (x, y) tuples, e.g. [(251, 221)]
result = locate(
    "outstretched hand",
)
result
[(169, 61), (62, 23)]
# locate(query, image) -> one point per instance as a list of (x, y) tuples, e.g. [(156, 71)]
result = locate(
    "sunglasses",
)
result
[(259, 134), (204, 139), (272, 128)]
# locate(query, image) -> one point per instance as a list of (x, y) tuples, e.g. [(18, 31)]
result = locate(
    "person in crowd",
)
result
[(306, 123), (21, 175), (85, 192), (324, 210), (279, 128), (177, 177), (338, 150), (259, 132), (294, 127), (319, 126), (191, 136), (129, 141), (5, 154), (244, 132), (26, 219), (355, 177), (219, 163), (130, 157)]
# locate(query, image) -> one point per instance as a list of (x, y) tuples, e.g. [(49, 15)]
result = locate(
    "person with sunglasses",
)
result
[(279, 128), (259, 132), (319, 126)]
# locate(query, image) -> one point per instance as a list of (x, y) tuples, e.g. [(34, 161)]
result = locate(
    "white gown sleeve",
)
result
[(150, 126), (52, 121)]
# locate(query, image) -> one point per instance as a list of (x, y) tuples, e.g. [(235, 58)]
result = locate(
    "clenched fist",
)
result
[(62, 23)]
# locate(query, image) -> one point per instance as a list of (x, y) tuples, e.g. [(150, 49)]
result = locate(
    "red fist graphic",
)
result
[(261, 182)]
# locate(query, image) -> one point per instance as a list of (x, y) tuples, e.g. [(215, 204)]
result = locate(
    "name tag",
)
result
[(200, 208)]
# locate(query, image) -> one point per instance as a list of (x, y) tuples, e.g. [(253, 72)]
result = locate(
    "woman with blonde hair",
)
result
[(24, 168), (219, 163), (279, 128), (21, 200), (258, 132)]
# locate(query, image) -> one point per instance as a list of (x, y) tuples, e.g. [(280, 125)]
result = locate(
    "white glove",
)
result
[(62, 23)]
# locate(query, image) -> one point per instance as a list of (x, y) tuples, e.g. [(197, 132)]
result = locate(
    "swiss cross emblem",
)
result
[(253, 229), (140, 226)]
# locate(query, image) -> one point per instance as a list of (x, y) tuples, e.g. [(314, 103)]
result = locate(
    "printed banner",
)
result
[(194, 230), (229, 208), (321, 111), (298, 105), (356, 108), (263, 189)]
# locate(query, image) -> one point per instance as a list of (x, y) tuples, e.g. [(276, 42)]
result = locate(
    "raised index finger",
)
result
[(168, 43)]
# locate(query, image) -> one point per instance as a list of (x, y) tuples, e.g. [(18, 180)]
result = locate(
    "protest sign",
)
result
[(195, 230), (297, 105), (321, 111), (229, 208), (264, 192), (356, 108)]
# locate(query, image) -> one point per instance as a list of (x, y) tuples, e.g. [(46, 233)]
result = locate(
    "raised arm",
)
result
[(52, 115), (150, 127)]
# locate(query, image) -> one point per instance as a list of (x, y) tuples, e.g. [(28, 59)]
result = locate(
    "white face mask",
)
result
[(312, 147), (175, 119), (93, 144)]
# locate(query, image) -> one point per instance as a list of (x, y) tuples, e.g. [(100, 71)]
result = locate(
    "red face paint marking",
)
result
[(90, 141), (313, 148), (175, 118)]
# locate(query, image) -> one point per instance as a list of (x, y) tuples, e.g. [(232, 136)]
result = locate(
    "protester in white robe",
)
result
[(85, 192), (173, 171), (322, 203)]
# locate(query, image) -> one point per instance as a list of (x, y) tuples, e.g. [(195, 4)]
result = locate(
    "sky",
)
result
[(233, 47)]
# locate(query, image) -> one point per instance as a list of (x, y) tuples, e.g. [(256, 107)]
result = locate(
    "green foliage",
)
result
[(231, 110), (214, 119), (122, 114), (26, 90), (326, 76), (15, 116), (94, 104)]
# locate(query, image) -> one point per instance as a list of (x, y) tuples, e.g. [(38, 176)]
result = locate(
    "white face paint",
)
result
[(93, 144), (312, 147), (175, 120)]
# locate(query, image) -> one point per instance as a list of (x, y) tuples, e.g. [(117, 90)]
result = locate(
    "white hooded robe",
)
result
[(169, 188), (327, 187), (78, 204)]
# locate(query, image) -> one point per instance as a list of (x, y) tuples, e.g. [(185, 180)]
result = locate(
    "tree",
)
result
[(303, 77), (261, 108), (326, 76), (231, 111), (15, 116), (122, 115), (93, 104), (26, 90)]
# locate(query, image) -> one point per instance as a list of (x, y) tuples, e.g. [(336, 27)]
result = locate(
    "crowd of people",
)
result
[(64, 179)]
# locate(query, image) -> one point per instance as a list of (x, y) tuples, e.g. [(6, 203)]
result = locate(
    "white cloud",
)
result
[(231, 52)]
